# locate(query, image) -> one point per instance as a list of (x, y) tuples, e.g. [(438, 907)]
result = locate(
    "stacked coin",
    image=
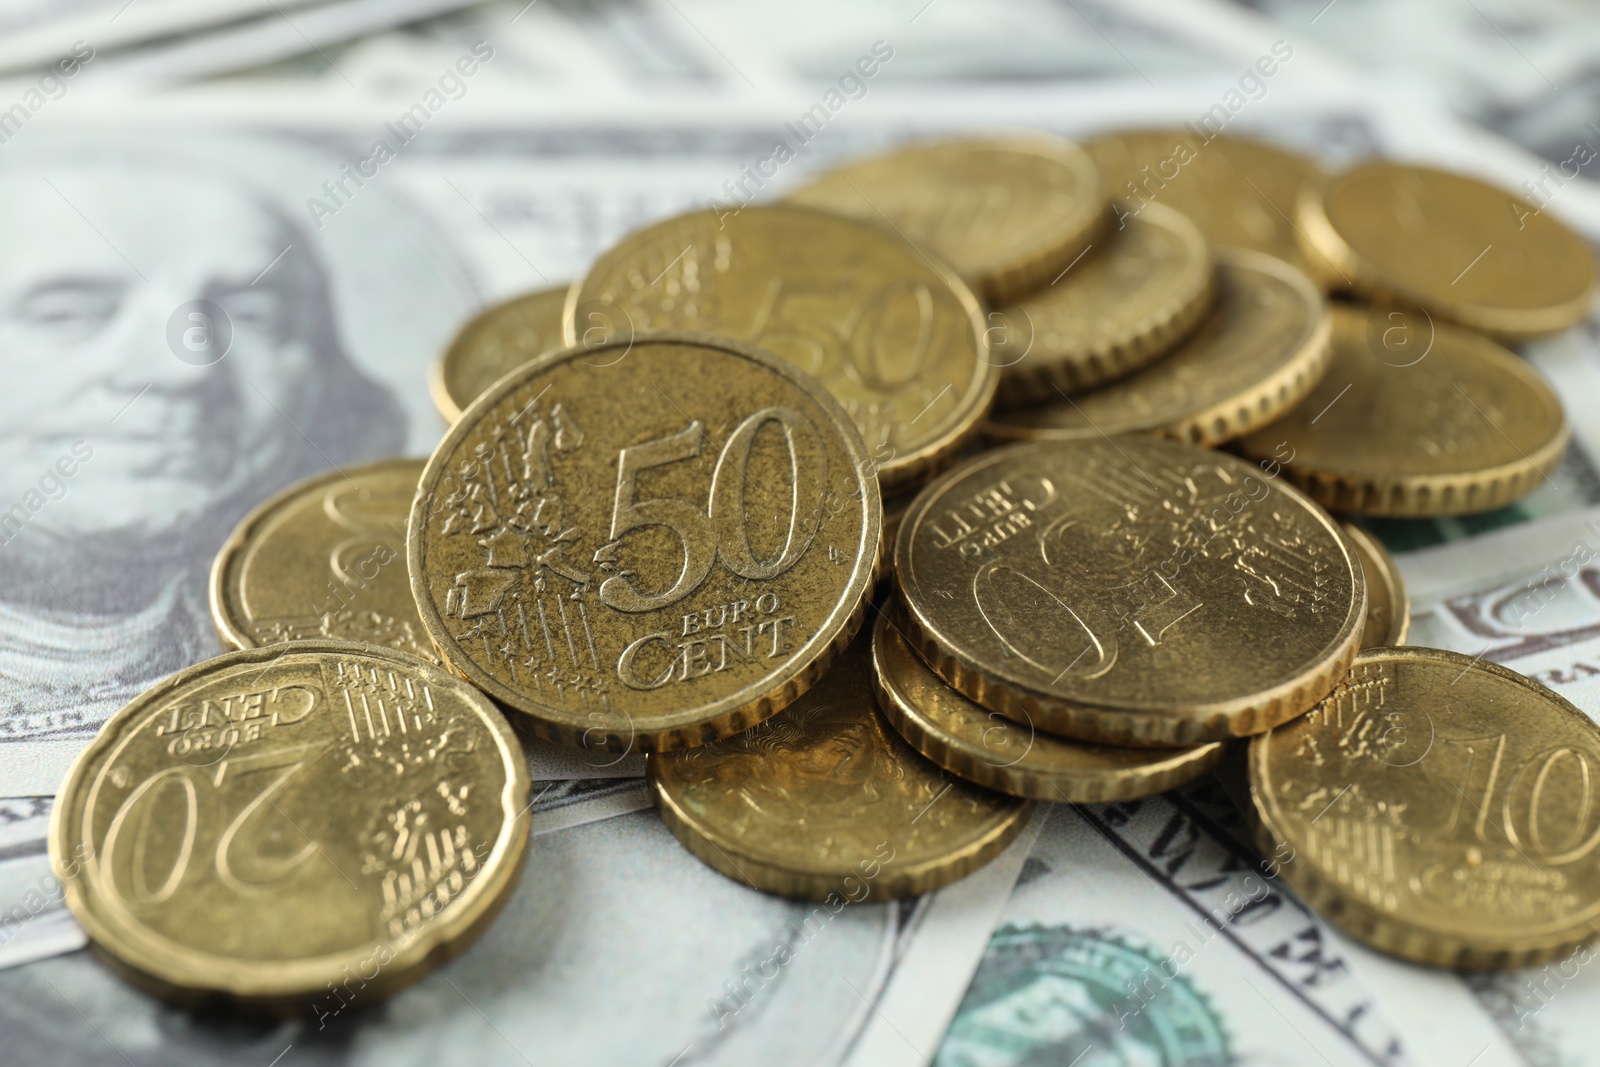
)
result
[(659, 520)]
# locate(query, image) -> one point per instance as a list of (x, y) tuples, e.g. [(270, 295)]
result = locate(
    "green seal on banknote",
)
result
[(1051, 994)]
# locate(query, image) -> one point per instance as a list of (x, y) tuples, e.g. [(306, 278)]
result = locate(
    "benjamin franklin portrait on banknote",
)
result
[(178, 349)]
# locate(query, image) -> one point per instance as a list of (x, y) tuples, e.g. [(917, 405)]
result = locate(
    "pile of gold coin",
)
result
[(875, 516)]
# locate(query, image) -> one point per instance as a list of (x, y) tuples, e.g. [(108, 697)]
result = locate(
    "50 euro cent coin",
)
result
[(1129, 591), (263, 825), (648, 544), (885, 325)]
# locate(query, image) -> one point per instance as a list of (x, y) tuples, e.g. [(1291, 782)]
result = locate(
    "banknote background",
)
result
[(580, 122)]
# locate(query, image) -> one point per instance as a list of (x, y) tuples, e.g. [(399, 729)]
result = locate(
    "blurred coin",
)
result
[(1261, 350), (497, 341), (895, 335), (1439, 808), (1463, 249), (826, 802), (646, 545), (1239, 192), (262, 826), (1009, 213), (985, 747), (1142, 290), (1416, 418), (1129, 591), (1388, 606), (324, 558)]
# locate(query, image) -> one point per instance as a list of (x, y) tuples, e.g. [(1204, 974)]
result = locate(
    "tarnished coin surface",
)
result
[(985, 747), (1438, 807), (1459, 247), (1261, 350), (646, 545), (1388, 605), (1009, 213), (1415, 418), (495, 342), (261, 826), (895, 335), (324, 558), (1129, 591), (1141, 289), (1241, 193), (826, 800)]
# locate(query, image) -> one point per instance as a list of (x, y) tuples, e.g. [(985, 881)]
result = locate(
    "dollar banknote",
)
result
[(1144, 932), (326, 255)]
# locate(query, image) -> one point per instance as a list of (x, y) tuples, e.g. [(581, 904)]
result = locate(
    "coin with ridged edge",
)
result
[(826, 802), (985, 747), (1417, 418), (1465, 250), (891, 331), (1129, 591), (1009, 213), (1240, 192), (646, 545), (1439, 808), (1145, 287), (1388, 605), (324, 558), (494, 343), (1259, 353), (261, 826)]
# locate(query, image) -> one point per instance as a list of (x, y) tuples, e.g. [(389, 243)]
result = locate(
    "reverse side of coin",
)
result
[(1120, 306), (1388, 606), (1438, 807), (1129, 591), (1009, 213), (646, 545), (494, 343), (895, 335), (261, 826), (324, 558), (985, 747), (1417, 418), (1261, 351), (826, 801), (1241, 193), (1461, 248)]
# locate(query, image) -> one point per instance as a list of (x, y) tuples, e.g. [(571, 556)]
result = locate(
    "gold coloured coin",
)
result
[(262, 826), (1261, 351), (496, 342), (1009, 213), (1388, 606), (1240, 192), (1122, 305), (1439, 808), (1417, 418), (324, 558), (648, 544), (1129, 591), (826, 801), (894, 335), (1461, 248), (983, 746)]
